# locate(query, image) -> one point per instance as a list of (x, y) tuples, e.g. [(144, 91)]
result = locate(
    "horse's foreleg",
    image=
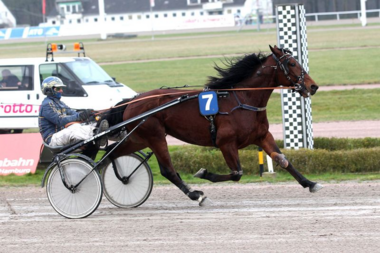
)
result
[(231, 156), (270, 147)]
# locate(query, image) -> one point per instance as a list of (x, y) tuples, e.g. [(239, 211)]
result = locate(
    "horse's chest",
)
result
[(247, 126)]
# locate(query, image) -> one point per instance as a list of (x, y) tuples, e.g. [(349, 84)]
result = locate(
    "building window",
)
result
[(86, 20), (193, 2), (183, 14), (130, 17), (113, 18), (147, 16), (201, 13), (74, 8), (192, 14), (67, 8), (95, 19), (70, 21), (79, 21), (229, 11), (138, 16), (121, 18), (174, 14), (156, 16), (165, 15), (53, 22)]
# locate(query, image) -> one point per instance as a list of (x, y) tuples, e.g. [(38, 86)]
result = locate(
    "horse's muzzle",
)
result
[(313, 89), (305, 91)]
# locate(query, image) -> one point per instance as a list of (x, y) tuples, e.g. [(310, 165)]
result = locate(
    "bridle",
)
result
[(282, 62)]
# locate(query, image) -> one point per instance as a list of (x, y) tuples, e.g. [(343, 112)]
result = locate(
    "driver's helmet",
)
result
[(49, 84)]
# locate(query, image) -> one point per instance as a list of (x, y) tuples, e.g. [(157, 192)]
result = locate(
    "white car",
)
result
[(88, 86)]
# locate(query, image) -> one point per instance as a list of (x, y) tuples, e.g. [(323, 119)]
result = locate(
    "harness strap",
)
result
[(246, 107), (299, 85), (213, 131)]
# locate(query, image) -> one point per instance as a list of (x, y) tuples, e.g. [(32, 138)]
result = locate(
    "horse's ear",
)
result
[(274, 49)]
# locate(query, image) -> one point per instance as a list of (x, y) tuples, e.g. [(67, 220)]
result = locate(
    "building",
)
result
[(6, 17), (147, 15)]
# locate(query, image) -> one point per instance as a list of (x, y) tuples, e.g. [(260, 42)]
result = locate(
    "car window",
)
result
[(72, 88), (89, 72), (15, 78), (46, 70)]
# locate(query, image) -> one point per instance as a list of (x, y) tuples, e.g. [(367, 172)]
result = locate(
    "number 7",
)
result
[(209, 97)]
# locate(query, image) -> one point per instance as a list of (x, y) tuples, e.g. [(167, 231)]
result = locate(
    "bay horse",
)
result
[(242, 120)]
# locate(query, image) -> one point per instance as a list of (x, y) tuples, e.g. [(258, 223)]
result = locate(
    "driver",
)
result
[(59, 124), (9, 80)]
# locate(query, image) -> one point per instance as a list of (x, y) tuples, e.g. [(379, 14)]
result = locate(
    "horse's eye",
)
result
[(292, 64)]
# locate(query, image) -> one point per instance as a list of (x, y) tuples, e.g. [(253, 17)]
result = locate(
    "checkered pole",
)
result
[(296, 110)]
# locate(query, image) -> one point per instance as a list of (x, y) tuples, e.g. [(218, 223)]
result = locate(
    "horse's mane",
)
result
[(236, 71), (115, 115)]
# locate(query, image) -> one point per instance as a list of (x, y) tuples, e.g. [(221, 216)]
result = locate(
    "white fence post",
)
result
[(270, 164)]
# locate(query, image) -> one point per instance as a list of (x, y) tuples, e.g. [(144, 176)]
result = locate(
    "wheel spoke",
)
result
[(85, 199), (138, 188)]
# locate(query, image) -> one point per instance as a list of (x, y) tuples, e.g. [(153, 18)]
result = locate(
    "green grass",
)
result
[(338, 55), (345, 66), (345, 105), (336, 67), (28, 179), (147, 76)]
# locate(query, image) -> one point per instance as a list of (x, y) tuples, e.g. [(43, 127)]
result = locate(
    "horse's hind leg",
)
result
[(231, 156), (270, 147)]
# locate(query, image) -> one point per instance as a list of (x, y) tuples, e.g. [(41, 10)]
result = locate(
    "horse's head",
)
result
[(292, 73)]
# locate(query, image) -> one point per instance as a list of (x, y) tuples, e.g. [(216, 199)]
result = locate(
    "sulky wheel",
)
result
[(131, 189), (79, 202)]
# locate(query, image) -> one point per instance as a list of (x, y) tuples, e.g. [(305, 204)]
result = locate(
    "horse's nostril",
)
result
[(314, 88)]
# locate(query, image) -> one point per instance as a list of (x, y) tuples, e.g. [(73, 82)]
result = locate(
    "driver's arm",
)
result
[(54, 115)]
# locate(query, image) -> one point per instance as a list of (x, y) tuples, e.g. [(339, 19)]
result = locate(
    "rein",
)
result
[(186, 92)]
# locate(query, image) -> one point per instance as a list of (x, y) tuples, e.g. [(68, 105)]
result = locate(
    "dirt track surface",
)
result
[(259, 217)]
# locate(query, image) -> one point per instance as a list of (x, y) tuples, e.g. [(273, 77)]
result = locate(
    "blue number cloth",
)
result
[(208, 103)]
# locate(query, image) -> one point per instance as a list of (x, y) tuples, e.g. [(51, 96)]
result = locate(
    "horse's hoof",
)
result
[(200, 173), (204, 201), (316, 187), (195, 195)]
